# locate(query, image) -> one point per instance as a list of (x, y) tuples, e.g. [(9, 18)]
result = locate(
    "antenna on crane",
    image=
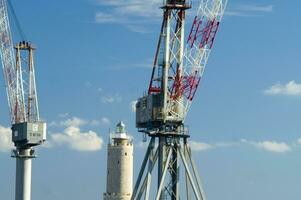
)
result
[(27, 128), (176, 74)]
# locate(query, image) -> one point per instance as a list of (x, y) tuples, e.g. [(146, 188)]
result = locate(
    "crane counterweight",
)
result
[(29, 133)]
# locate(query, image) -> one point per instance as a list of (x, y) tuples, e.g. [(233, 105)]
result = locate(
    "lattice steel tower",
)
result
[(177, 71)]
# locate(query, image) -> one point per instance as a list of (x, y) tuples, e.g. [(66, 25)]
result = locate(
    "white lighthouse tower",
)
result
[(119, 165)]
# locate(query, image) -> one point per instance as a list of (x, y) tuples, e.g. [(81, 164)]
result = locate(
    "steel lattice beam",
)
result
[(177, 151)]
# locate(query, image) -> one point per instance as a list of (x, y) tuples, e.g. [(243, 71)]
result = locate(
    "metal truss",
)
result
[(25, 63), (199, 44), (178, 68), (12, 75), (169, 153)]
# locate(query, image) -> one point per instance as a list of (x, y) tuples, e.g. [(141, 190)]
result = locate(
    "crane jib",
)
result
[(185, 64), (18, 72), (11, 75)]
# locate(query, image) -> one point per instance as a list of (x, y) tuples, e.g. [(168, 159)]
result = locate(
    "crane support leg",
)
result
[(169, 154)]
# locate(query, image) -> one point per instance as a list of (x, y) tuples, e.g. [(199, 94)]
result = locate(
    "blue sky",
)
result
[(93, 60)]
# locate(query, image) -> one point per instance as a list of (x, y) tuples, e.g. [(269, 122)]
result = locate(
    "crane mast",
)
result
[(27, 128), (160, 114)]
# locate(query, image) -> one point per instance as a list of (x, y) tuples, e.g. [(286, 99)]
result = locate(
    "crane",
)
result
[(28, 130), (177, 72)]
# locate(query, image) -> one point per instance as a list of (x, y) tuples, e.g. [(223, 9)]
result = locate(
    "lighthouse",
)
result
[(119, 165)]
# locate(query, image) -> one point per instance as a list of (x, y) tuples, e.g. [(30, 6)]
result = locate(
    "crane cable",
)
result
[(16, 21)]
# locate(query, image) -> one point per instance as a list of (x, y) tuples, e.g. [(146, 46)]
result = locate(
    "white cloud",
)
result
[(136, 8), (74, 121), (63, 115), (133, 14), (105, 121), (79, 122), (200, 146), (271, 146), (227, 144), (133, 105), (236, 13), (277, 147), (111, 98), (53, 123), (291, 89), (94, 122), (137, 28), (257, 8), (248, 10), (75, 139), (107, 99), (244, 140), (101, 17), (5, 139)]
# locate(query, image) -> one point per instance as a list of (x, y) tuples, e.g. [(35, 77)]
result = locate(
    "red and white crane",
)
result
[(177, 71), (27, 128)]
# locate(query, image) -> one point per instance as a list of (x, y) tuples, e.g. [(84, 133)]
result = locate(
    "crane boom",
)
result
[(12, 74), (198, 47)]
